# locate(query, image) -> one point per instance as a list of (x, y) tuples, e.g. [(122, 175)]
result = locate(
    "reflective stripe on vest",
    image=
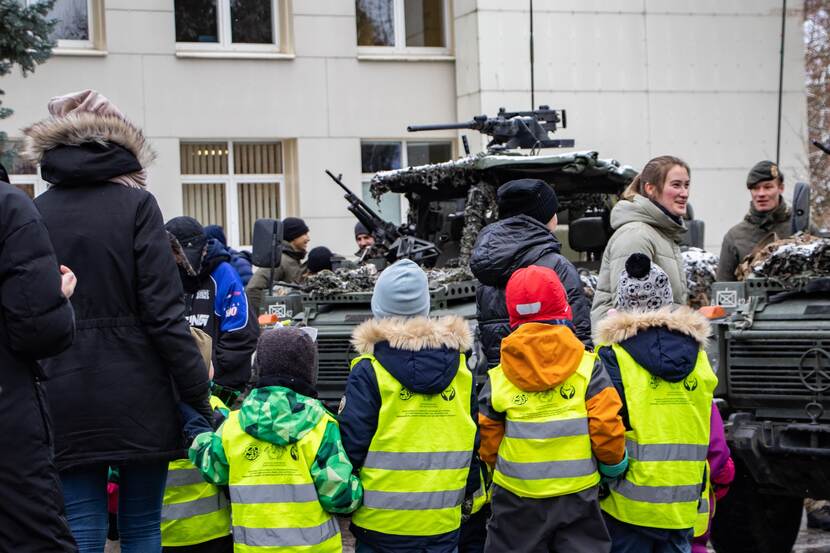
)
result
[(193, 511), (702, 520), (667, 446), (273, 498), (416, 469), (546, 449)]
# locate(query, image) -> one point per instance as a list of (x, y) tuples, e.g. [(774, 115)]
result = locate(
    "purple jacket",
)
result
[(723, 471)]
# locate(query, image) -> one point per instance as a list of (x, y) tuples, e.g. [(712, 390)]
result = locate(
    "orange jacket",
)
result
[(541, 356)]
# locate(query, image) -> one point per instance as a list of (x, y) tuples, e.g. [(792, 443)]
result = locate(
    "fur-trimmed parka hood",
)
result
[(420, 352), (83, 127), (665, 342)]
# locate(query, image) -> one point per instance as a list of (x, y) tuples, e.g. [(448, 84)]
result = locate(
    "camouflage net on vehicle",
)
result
[(802, 255), (701, 272), (362, 279)]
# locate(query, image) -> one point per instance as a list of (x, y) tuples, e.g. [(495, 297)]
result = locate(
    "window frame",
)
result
[(223, 28), (400, 49), (367, 177), (95, 44), (232, 181)]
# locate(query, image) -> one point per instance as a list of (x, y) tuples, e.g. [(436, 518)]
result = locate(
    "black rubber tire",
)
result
[(747, 521)]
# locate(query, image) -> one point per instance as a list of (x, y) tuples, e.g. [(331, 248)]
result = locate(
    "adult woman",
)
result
[(113, 393), (648, 220)]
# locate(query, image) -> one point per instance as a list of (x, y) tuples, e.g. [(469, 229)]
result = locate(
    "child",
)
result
[(548, 414), (195, 516), (281, 454), (654, 355), (408, 420)]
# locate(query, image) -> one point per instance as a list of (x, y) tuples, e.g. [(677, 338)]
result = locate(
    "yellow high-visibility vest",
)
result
[(274, 503), (546, 449), (667, 446), (704, 508), (415, 472), (193, 511)]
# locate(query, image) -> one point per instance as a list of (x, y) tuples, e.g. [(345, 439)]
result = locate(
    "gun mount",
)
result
[(397, 242), (513, 129)]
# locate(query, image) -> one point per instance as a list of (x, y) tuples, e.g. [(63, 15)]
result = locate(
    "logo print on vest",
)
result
[(405, 394), (294, 453), (690, 383), (654, 382), (274, 452), (448, 394), (567, 391), (252, 452), (520, 399)]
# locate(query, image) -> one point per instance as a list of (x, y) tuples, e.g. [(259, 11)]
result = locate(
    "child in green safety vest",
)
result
[(281, 455), (550, 427), (654, 353), (195, 515)]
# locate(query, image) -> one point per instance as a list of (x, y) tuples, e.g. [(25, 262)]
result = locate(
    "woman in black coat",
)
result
[(113, 394), (35, 322)]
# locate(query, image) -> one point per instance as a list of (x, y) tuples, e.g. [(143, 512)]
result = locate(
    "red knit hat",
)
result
[(536, 294)]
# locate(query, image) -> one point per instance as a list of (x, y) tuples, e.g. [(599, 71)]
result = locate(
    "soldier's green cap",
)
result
[(761, 171)]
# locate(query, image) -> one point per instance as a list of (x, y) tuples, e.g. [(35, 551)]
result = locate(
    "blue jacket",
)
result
[(421, 369), (241, 261), (216, 303)]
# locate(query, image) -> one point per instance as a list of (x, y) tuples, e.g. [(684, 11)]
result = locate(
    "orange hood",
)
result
[(538, 356)]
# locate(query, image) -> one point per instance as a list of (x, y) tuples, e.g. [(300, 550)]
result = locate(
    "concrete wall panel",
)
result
[(144, 32), (339, 32)]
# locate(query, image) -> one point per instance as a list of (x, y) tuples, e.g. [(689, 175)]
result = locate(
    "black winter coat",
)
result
[(113, 394), (504, 247), (35, 322)]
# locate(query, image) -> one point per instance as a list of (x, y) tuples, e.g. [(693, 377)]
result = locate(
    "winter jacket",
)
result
[(666, 343), (504, 247), (35, 322), (216, 303), (291, 270), (757, 229), (422, 354), (640, 226), (241, 260), (281, 416), (538, 357), (113, 394)]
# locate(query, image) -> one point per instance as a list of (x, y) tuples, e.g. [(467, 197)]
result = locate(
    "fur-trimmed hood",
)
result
[(421, 353), (625, 325), (83, 127), (665, 342)]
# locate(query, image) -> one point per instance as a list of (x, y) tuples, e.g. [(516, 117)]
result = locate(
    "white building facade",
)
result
[(247, 102)]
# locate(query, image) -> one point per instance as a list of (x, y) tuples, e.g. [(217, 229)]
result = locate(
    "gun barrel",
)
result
[(442, 126)]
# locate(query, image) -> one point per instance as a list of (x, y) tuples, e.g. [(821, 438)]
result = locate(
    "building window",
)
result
[(418, 27), (232, 184), (228, 25), (79, 24), (385, 155), (22, 173)]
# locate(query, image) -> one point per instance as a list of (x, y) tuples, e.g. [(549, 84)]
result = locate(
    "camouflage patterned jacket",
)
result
[(282, 416)]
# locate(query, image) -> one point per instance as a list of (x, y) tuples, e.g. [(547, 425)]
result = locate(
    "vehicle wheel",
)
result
[(747, 521)]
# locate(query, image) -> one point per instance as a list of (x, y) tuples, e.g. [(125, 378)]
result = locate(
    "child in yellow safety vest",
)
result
[(549, 425), (281, 455), (195, 515)]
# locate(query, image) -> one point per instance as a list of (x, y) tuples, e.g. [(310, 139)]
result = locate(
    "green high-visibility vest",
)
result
[(274, 503), (546, 449), (667, 446), (193, 511), (416, 469)]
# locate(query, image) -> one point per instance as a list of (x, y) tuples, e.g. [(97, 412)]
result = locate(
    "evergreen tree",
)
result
[(24, 40)]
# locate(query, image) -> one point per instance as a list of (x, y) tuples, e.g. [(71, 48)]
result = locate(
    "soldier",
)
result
[(292, 268), (768, 219), (363, 238)]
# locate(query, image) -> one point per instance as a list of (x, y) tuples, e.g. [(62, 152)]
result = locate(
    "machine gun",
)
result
[(396, 241), (513, 129)]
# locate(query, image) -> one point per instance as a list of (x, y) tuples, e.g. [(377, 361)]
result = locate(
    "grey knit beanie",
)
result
[(643, 286), (287, 352), (401, 290)]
